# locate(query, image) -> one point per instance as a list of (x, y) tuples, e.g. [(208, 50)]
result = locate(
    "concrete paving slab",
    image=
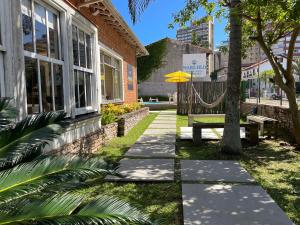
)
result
[(159, 131), (154, 139), (160, 126), (159, 150), (205, 204), (166, 118), (163, 122), (186, 133), (214, 170), (168, 112), (145, 170)]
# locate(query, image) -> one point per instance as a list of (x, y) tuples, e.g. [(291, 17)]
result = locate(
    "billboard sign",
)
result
[(196, 64)]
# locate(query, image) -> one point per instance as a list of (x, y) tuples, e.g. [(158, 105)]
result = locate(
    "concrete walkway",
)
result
[(214, 192), (152, 157)]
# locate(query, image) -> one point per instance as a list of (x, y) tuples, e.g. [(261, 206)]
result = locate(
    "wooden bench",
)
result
[(267, 126), (192, 117), (251, 131)]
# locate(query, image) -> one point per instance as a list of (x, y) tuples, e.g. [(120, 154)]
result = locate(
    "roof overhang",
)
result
[(106, 10)]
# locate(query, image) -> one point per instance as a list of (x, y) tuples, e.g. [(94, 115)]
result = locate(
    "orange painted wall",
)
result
[(112, 39)]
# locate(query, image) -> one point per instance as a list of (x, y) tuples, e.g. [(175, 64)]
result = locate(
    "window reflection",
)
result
[(27, 25), (32, 87), (58, 87), (40, 29), (53, 35), (81, 87), (75, 45), (46, 86), (82, 49)]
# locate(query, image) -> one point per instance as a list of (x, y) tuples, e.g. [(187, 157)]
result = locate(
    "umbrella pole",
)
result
[(191, 95)]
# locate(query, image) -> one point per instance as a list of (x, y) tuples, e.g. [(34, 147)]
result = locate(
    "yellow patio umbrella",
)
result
[(178, 74), (177, 80)]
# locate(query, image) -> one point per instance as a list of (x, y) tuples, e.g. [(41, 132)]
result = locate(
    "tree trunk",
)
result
[(295, 115), (231, 139)]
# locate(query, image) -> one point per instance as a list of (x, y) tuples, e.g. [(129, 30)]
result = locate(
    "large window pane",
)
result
[(58, 87), (76, 89), (81, 88), (40, 30), (46, 85), (53, 35), (88, 82), (82, 49), (27, 25), (32, 87), (88, 51), (117, 84), (75, 45)]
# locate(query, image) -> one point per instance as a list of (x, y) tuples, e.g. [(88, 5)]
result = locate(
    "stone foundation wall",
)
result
[(90, 143), (281, 114), (86, 136), (128, 121)]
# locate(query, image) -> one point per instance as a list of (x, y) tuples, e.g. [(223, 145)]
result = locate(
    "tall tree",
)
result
[(231, 138), (266, 22)]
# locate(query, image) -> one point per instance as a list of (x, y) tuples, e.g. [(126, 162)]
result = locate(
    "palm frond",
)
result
[(68, 209), (36, 176), (28, 137), (8, 113), (137, 7)]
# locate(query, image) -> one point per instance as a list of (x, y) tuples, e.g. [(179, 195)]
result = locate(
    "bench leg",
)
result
[(252, 136), (197, 136)]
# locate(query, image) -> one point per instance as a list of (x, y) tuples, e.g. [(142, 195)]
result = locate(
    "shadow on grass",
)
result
[(160, 201)]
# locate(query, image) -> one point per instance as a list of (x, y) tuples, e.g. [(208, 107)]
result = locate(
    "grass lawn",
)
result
[(160, 201), (118, 146), (274, 164)]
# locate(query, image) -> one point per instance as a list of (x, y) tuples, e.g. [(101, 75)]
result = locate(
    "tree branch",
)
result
[(289, 70)]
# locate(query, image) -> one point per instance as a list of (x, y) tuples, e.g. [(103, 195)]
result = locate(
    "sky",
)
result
[(153, 23)]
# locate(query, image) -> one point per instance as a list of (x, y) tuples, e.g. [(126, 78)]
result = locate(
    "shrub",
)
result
[(110, 112), (108, 118)]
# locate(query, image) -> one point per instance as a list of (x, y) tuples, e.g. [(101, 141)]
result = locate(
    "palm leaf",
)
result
[(68, 209), (28, 137), (137, 7), (36, 176), (7, 112)]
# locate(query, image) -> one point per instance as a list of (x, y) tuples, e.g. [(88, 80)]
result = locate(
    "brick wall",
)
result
[(112, 39), (281, 114)]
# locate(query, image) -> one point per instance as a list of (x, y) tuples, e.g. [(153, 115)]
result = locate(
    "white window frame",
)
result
[(48, 58), (110, 52), (82, 24), (2, 49)]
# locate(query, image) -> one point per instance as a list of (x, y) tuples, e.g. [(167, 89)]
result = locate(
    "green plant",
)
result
[(147, 64), (40, 189), (108, 118)]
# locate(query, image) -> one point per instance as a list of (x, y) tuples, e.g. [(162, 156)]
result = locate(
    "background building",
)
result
[(172, 61)]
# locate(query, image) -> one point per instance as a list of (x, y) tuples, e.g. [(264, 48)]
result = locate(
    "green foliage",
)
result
[(108, 118), (244, 85), (147, 64), (110, 112), (40, 189), (296, 67)]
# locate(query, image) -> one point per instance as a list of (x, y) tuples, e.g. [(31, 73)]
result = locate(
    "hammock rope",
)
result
[(209, 105)]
